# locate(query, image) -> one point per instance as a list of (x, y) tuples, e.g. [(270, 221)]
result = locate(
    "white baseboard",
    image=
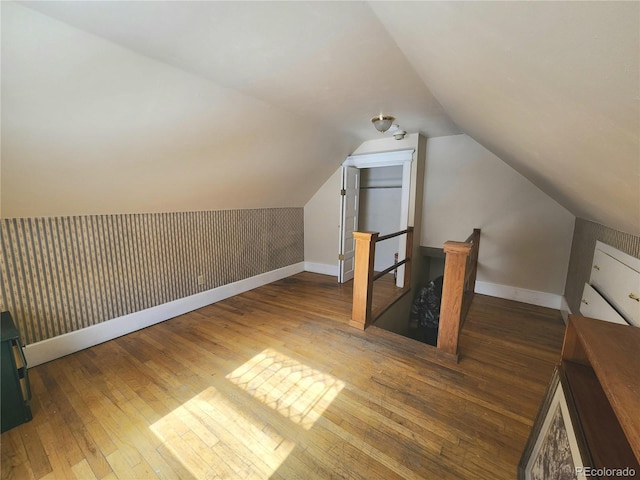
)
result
[(56, 347), (321, 268), (565, 310), (532, 297)]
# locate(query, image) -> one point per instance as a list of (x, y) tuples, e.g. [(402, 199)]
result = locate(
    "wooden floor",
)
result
[(274, 384)]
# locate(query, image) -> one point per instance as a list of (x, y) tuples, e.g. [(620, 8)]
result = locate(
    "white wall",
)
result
[(526, 236), (322, 226), (89, 127)]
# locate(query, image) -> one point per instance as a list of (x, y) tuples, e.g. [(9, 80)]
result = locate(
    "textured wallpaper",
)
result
[(60, 274), (585, 235)]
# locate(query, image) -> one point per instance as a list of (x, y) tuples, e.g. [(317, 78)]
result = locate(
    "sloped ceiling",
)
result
[(552, 88), (330, 61), (124, 107)]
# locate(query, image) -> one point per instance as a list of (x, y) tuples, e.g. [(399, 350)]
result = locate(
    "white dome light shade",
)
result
[(382, 122)]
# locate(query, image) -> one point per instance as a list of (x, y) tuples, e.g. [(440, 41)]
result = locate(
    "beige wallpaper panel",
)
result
[(61, 274)]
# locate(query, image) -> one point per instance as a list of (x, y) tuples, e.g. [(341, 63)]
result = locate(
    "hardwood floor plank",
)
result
[(245, 432), (273, 383), (92, 453), (55, 451), (120, 465), (36, 453), (15, 461), (177, 470), (83, 471), (144, 470)]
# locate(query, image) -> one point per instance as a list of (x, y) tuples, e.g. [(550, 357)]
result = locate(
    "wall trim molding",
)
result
[(380, 159), (56, 347), (321, 268), (533, 297), (565, 310)]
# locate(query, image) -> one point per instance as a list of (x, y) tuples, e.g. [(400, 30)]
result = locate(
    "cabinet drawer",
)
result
[(594, 306), (618, 283)]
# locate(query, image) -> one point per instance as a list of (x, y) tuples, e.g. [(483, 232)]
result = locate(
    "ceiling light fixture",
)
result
[(383, 122)]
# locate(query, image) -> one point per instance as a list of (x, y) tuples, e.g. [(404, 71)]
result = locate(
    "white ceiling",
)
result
[(331, 61), (552, 88)]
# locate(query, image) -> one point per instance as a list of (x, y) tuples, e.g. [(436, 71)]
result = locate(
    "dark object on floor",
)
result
[(425, 312), (14, 385)]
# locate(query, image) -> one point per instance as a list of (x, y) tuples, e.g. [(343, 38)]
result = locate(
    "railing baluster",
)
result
[(408, 251), (473, 264), (361, 313)]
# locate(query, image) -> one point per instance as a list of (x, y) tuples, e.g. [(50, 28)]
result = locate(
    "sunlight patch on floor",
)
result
[(296, 391), (219, 434), (213, 438)]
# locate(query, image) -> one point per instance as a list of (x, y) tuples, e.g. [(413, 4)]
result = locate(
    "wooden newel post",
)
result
[(363, 278), (455, 265)]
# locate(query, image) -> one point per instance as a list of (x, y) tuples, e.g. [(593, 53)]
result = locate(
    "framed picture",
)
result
[(556, 448)]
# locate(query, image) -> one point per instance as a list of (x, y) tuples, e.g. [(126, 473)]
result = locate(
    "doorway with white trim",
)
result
[(375, 194)]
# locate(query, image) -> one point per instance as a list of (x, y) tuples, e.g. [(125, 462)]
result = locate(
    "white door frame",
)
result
[(389, 159)]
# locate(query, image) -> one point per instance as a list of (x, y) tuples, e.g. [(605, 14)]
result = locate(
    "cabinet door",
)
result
[(619, 283), (21, 367), (594, 306)]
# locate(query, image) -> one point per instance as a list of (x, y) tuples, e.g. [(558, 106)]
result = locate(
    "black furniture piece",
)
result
[(15, 388)]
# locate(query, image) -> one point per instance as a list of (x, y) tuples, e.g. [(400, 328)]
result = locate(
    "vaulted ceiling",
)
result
[(552, 88)]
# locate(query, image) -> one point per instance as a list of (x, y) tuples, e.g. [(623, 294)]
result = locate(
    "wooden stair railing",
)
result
[(364, 276), (460, 269)]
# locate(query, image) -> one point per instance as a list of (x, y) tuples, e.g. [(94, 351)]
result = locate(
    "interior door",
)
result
[(350, 197)]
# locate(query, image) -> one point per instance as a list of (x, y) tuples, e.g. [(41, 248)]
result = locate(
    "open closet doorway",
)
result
[(380, 198), (381, 203)]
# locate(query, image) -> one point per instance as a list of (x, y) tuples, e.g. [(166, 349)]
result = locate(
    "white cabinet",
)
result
[(613, 291), (594, 306)]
